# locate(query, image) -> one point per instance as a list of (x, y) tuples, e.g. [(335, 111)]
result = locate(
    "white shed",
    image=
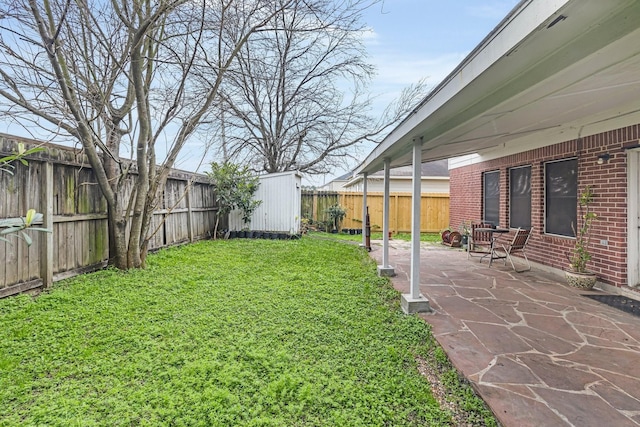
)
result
[(280, 210)]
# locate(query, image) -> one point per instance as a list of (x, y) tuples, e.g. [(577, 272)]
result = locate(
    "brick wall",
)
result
[(609, 182)]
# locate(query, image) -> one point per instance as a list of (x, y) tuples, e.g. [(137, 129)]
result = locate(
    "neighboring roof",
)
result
[(346, 177), (551, 71), (430, 169), (438, 169)]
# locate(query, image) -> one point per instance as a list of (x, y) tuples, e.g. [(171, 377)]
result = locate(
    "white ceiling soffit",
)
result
[(549, 71)]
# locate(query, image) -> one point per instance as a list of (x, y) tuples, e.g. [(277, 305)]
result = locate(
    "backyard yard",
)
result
[(221, 333)]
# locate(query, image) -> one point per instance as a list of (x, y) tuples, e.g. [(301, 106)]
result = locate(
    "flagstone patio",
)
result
[(537, 351)]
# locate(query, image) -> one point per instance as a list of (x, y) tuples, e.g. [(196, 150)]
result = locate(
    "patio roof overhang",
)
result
[(551, 71)]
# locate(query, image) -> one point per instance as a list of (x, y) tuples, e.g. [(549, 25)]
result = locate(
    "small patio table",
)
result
[(496, 233)]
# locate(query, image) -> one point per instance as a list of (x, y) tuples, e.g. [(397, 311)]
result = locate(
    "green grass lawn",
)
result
[(222, 333)]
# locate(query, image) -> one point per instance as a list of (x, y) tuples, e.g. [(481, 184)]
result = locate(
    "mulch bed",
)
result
[(620, 302)]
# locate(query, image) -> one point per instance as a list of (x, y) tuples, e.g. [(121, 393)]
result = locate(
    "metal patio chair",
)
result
[(479, 241), (518, 244)]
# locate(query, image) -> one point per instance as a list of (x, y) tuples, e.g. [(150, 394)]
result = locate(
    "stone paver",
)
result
[(538, 352)]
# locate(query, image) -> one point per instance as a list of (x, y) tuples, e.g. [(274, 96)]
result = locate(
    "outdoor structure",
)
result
[(545, 105), (280, 210), (434, 176), (336, 184)]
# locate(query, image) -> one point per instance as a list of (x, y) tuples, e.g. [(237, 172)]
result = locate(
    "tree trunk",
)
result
[(117, 240)]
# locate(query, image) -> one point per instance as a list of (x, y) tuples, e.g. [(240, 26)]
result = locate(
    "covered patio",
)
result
[(551, 72), (537, 351)]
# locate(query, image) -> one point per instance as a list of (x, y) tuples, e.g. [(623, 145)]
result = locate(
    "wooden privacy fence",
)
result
[(315, 204), (434, 209), (59, 181)]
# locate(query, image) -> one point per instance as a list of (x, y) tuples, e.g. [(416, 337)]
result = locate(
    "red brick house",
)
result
[(546, 104), (600, 161)]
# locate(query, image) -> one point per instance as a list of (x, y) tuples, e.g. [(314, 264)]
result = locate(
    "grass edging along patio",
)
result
[(220, 333), (376, 235)]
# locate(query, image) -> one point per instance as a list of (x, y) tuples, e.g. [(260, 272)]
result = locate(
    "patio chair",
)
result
[(479, 241), (518, 244)]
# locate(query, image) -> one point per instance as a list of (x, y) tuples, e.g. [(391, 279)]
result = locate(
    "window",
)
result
[(491, 197), (520, 197), (561, 194)]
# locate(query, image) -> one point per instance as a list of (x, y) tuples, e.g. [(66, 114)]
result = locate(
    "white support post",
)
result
[(416, 199), (415, 302), (385, 269), (364, 209)]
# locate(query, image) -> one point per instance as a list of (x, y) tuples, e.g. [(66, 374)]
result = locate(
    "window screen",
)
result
[(520, 197), (561, 190), (491, 197)]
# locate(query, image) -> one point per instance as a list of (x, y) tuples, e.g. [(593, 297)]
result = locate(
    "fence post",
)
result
[(314, 206), (46, 254), (189, 212)]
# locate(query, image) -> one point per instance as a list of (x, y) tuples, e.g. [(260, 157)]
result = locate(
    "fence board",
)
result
[(34, 257), (3, 255), (21, 259), (11, 262)]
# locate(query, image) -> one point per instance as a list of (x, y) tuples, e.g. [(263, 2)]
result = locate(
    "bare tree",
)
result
[(297, 97), (123, 75)]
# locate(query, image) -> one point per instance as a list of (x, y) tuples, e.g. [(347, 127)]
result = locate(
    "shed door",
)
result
[(633, 199)]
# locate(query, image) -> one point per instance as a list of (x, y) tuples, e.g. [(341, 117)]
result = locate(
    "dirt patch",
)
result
[(459, 416)]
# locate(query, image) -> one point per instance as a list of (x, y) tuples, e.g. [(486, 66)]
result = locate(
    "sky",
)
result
[(413, 39)]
